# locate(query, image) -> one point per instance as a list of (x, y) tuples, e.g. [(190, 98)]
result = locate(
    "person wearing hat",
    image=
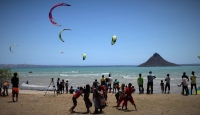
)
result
[(150, 78), (193, 82), (167, 85)]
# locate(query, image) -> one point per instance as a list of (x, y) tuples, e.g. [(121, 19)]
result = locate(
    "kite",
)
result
[(84, 56), (114, 39), (62, 52), (61, 33), (12, 46), (50, 12), (199, 56)]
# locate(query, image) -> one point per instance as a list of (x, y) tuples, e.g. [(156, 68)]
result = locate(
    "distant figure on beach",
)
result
[(115, 86), (167, 85), (74, 99), (184, 83), (150, 78), (62, 85), (15, 86), (88, 103), (104, 89), (27, 82), (193, 82), (0, 88), (58, 85), (110, 82), (77, 89), (185, 86), (5, 88), (162, 86), (93, 85), (102, 80), (129, 90), (140, 84), (71, 90), (66, 86)]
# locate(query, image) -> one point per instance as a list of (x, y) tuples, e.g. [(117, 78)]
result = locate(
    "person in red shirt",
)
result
[(128, 91), (74, 99)]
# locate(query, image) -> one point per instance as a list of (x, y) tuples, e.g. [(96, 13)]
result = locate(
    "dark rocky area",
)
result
[(156, 60)]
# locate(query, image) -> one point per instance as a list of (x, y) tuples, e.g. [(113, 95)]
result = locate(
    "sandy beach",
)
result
[(35, 103)]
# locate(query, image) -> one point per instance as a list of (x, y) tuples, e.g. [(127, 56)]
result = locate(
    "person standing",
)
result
[(184, 76), (185, 86), (167, 85), (5, 88), (150, 78), (102, 80), (140, 84), (109, 82), (193, 82), (66, 86), (58, 85), (15, 86)]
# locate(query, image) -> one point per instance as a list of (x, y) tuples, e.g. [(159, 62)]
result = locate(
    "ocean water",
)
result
[(40, 78)]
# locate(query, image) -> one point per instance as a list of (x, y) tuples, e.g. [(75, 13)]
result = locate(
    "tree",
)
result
[(5, 74)]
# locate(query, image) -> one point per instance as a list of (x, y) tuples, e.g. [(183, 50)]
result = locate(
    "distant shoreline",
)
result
[(31, 65)]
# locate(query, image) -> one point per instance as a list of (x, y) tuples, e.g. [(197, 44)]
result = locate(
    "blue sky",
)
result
[(143, 27)]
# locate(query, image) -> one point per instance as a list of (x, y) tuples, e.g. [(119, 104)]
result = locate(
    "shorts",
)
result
[(15, 90)]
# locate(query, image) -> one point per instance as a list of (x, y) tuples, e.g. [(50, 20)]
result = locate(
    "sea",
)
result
[(40, 78)]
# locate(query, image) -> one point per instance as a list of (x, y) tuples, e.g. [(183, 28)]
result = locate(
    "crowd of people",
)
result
[(123, 92)]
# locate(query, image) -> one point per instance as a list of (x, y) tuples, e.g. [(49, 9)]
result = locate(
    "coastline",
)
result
[(33, 102)]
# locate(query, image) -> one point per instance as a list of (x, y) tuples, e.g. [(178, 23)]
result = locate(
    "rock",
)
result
[(156, 60)]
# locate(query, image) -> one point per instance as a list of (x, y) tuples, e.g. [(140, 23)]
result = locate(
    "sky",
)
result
[(170, 28)]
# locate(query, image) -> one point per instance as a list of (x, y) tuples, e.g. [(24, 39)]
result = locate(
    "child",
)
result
[(71, 90), (162, 86), (128, 91), (74, 99), (121, 98)]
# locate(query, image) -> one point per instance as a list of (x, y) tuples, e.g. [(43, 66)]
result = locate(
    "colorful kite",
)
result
[(50, 13), (84, 56), (61, 33), (12, 46), (114, 39)]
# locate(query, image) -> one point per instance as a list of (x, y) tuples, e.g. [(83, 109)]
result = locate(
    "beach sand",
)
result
[(35, 103)]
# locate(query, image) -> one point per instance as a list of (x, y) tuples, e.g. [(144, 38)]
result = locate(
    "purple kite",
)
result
[(50, 13)]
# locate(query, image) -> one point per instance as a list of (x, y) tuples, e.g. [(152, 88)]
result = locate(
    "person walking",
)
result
[(167, 85)]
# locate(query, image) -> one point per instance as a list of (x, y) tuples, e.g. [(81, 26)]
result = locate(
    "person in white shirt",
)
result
[(185, 85)]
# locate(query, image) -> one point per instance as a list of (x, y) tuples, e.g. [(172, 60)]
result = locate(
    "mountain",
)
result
[(156, 60)]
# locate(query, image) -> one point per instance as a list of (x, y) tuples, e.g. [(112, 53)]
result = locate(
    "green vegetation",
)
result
[(5, 74)]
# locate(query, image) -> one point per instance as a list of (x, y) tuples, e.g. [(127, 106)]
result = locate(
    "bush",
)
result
[(5, 74)]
